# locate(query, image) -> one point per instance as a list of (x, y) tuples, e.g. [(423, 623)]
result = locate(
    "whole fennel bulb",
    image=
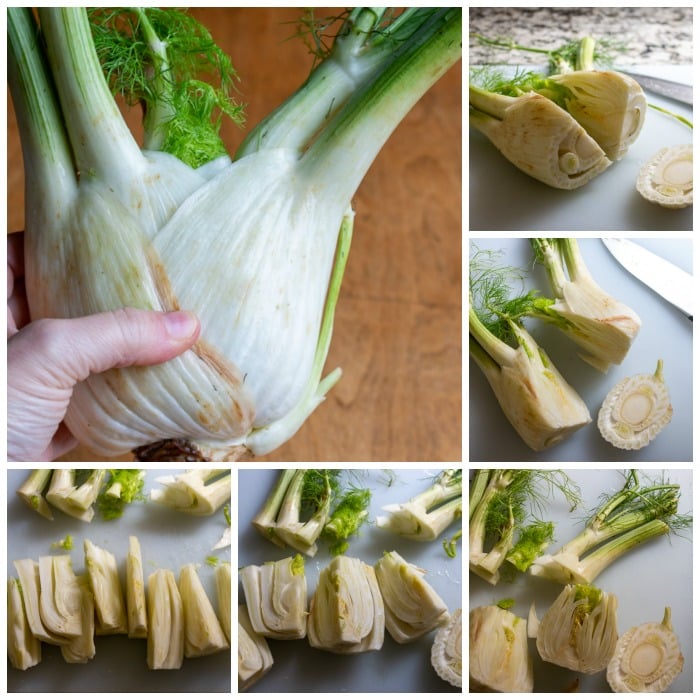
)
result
[(268, 234)]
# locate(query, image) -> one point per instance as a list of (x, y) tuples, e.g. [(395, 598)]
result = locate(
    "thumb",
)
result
[(73, 349)]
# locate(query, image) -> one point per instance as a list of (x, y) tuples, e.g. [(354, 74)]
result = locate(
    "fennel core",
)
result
[(278, 212)]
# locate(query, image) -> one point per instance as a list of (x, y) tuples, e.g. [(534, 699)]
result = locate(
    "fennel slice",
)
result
[(667, 178), (636, 410)]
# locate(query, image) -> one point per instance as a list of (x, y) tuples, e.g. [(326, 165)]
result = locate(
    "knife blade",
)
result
[(663, 87), (663, 277)]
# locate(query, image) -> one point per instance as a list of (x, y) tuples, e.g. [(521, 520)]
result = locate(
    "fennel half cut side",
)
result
[(256, 244), (538, 137), (543, 408)]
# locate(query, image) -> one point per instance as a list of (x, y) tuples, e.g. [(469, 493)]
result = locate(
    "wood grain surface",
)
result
[(398, 326)]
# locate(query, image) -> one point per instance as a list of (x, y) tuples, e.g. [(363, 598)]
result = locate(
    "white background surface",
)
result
[(503, 198), (657, 574), (394, 668), (665, 333), (168, 540)]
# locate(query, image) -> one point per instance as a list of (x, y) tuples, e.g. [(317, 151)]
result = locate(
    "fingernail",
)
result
[(181, 325)]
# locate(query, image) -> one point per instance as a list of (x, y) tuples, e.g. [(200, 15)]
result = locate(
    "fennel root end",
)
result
[(178, 450)]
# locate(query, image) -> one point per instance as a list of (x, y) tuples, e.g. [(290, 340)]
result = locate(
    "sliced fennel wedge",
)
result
[(222, 579), (636, 410), (275, 595), (23, 648), (165, 646), (203, 632), (412, 607), (110, 604), (81, 649), (579, 630), (137, 618), (254, 656), (610, 106), (346, 613), (499, 659)]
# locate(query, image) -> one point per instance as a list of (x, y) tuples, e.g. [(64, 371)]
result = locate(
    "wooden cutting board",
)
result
[(398, 330)]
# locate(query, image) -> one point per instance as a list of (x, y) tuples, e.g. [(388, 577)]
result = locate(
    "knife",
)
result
[(666, 88), (663, 277)]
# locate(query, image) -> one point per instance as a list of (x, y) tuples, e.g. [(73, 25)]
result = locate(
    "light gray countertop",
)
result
[(654, 35)]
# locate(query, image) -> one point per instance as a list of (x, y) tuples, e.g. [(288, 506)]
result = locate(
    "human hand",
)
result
[(47, 358)]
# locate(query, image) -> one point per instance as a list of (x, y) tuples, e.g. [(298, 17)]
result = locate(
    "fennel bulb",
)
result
[(268, 233)]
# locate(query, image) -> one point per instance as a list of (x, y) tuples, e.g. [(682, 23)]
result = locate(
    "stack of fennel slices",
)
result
[(267, 233)]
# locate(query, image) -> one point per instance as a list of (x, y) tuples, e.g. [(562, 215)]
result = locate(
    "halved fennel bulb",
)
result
[(610, 106), (538, 137)]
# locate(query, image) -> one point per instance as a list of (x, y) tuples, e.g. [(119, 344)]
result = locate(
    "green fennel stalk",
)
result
[(626, 519), (500, 526)]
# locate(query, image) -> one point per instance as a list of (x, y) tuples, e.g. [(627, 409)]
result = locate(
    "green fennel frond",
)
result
[(576, 54), (318, 33), (369, 26), (491, 295), (166, 61), (510, 497), (318, 486)]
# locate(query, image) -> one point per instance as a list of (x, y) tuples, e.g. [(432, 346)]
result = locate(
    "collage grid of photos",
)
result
[(235, 236), (581, 349), (241, 236)]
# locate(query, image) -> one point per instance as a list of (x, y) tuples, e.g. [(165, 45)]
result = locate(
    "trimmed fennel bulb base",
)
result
[(187, 451)]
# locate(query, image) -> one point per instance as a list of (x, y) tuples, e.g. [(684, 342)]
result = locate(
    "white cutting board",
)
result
[(665, 333), (503, 198), (168, 540)]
